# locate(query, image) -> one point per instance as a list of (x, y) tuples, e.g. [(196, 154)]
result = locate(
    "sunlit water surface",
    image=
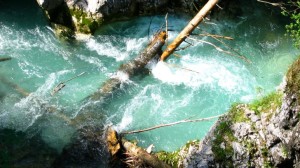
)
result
[(166, 94)]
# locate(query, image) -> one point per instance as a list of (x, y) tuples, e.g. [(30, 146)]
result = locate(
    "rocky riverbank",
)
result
[(70, 17), (264, 133)]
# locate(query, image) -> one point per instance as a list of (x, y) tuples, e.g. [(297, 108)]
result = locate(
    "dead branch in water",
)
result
[(216, 36), (5, 59), (280, 4), (16, 87), (171, 124), (221, 50), (166, 18), (63, 84), (188, 29), (180, 67)]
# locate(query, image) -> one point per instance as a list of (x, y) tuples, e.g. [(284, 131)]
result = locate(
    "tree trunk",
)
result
[(143, 155), (188, 29), (131, 68)]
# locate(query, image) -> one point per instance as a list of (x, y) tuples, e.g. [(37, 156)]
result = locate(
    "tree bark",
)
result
[(143, 155), (188, 29), (133, 67)]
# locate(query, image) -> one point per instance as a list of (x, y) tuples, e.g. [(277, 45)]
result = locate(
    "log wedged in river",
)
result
[(117, 144), (188, 29), (131, 68), (143, 155)]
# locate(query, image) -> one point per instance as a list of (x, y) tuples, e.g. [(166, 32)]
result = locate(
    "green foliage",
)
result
[(171, 158), (293, 79), (267, 104), (237, 114), (267, 164), (284, 151), (221, 145), (85, 23), (293, 29)]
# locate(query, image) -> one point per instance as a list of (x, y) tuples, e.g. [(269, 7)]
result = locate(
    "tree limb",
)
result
[(171, 124)]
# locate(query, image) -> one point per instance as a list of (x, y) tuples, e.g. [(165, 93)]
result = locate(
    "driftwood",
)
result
[(5, 59), (188, 29)]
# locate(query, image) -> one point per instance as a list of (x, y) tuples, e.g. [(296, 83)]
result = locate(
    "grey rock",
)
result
[(49, 4)]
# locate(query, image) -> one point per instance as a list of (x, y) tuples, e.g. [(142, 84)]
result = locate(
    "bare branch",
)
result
[(166, 18), (216, 36), (180, 67), (171, 124), (221, 50), (63, 84), (271, 3), (177, 55)]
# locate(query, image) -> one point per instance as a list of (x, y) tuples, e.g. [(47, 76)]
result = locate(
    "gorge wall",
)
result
[(264, 133), (85, 16)]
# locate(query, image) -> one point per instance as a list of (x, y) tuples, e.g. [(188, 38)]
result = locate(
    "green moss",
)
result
[(171, 158), (237, 113), (284, 151), (223, 136), (293, 79), (85, 24), (264, 152), (267, 164), (267, 104), (63, 32), (251, 148)]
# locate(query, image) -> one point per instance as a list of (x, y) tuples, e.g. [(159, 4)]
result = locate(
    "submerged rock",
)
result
[(87, 149), (18, 149)]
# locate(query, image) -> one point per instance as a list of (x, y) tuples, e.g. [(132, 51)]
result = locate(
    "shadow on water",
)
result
[(17, 149), (21, 14)]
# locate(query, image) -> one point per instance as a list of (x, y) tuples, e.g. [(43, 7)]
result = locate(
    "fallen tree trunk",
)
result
[(131, 68), (90, 108), (188, 29), (143, 155), (14, 86), (134, 153), (5, 59)]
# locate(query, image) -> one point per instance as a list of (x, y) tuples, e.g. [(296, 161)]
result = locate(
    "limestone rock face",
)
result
[(261, 134), (50, 4), (85, 16)]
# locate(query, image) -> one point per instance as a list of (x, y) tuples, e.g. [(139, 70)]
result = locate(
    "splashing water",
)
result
[(202, 83)]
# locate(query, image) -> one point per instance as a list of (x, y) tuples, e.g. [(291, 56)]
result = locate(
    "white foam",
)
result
[(131, 107), (106, 49), (202, 72), (93, 60), (25, 112), (135, 44)]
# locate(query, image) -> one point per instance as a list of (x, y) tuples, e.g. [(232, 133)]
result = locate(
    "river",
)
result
[(164, 94)]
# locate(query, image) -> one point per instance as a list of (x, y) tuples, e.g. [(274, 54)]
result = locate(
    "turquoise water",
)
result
[(166, 94)]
